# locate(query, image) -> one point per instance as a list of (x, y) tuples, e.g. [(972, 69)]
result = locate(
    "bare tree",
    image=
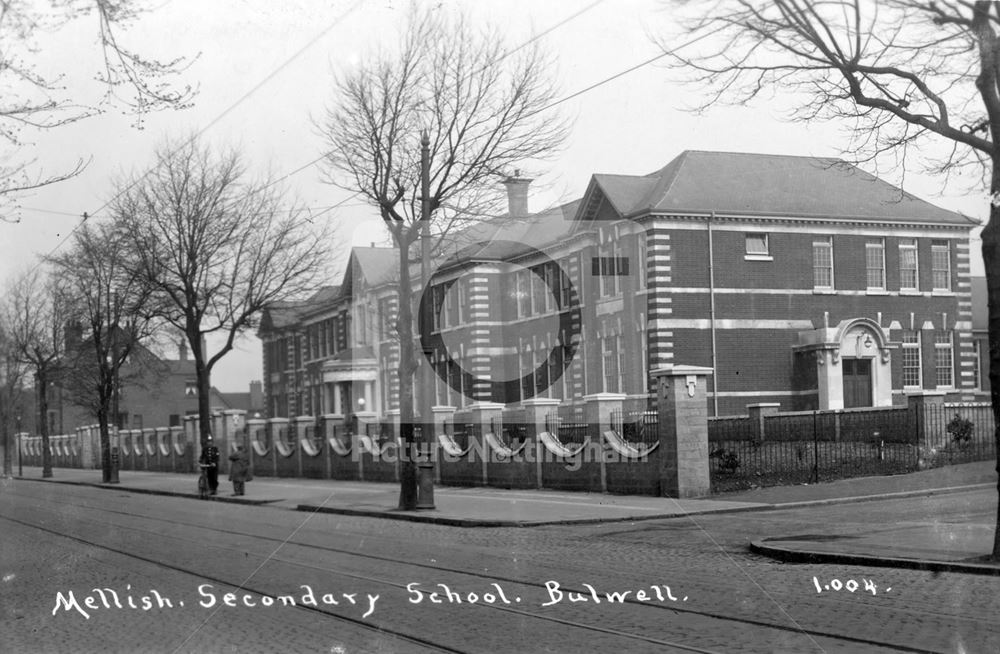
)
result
[(34, 100), (37, 328), (215, 248), (112, 310), (913, 79), (483, 109)]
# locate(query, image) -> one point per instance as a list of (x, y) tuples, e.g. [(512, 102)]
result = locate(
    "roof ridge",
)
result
[(681, 159), (769, 154)]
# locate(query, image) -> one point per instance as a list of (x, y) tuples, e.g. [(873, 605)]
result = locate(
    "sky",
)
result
[(264, 73)]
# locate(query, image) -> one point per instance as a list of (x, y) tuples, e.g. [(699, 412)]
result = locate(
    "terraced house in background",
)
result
[(800, 281)]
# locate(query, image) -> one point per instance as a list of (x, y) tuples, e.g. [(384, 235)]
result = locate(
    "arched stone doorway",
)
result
[(852, 364)]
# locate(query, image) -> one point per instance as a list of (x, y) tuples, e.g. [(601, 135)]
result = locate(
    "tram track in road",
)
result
[(847, 601), (375, 627), (479, 576)]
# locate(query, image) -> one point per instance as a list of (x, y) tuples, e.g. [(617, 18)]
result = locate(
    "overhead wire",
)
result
[(316, 160), (214, 121)]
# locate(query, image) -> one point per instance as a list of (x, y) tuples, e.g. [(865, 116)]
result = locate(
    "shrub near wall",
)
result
[(956, 433)]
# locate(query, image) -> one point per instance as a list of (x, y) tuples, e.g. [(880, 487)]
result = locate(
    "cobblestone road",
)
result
[(700, 588)]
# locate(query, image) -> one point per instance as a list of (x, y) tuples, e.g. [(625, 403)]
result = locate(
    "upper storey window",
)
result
[(823, 262), (908, 278), (757, 247), (940, 266), (875, 265)]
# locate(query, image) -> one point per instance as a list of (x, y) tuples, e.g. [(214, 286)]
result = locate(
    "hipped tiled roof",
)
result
[(743, 184)]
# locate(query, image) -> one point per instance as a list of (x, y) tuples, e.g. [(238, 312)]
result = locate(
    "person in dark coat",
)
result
[(239, 470), (210, 460)]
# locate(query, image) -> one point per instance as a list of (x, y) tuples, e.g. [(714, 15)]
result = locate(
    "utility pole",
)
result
[(425, 464), (113, 446)]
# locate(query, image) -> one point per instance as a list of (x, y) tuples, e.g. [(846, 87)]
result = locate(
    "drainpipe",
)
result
[(711, 313)]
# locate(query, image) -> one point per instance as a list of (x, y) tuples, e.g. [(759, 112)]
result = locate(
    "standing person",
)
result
[(210, 458), (239, 470)]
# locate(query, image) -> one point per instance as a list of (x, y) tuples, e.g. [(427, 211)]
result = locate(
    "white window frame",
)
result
[(909, 246), (940, 347), (877, 246), (462, 293), (607, 363), (522, 290), (753, 252), (565, 283), (915, 346), (939, 247), (820, 244), (620, 360)]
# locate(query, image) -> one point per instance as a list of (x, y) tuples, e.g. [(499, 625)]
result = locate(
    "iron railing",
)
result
[(815, 446), (569, 426), (510, 428), (637, 428)]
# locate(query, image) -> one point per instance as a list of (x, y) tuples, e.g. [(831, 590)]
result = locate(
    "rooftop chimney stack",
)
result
[(182, 350), (517, 195)]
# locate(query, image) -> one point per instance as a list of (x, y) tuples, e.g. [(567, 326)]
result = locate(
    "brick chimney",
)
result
[(517, 195), (182, 350)]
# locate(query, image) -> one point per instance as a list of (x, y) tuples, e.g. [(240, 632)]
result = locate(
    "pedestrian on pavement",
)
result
[(239, 470), (210, 460)]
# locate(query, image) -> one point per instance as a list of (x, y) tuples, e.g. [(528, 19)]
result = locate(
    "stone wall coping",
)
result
[(609, 397), (763, 405), (332, 416), (305, 419), (277, 421), (681, 370), (541, 401), (443, 409), (486, 406)]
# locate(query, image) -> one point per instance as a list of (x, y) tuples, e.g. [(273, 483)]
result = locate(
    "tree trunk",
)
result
[(102, 423), (8, 468), (43, 415), (204, 378), (991, 261), (404, 328)]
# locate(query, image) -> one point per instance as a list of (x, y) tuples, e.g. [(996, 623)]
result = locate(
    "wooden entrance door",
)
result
[(857, 382)]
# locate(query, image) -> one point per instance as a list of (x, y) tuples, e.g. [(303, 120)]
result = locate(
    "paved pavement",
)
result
[(958, 544)]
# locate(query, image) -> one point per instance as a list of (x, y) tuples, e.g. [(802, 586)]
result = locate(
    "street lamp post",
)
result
[(113, 447), (425, 463)]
